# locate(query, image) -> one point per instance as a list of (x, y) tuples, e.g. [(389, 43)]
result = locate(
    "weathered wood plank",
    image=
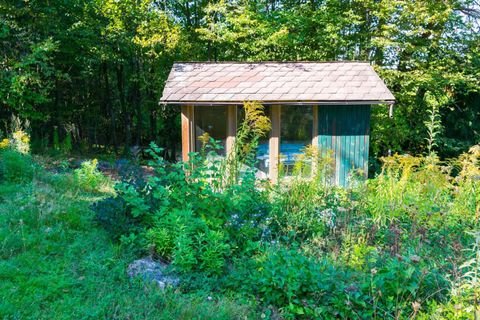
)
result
[(274, 143), (187, 131), (315, 137), (231, 128)]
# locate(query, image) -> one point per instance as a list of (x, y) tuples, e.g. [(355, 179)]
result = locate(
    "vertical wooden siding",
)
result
[(346, 131)]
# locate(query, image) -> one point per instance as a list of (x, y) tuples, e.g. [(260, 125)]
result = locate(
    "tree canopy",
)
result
[(94, 70)]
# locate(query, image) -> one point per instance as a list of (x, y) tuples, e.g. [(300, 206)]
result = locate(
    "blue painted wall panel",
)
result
[(346, 131)]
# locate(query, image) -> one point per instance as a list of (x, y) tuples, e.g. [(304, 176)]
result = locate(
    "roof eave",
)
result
[(319, 102)]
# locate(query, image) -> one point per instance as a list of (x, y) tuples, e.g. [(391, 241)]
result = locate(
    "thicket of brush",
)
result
[(405, 244)]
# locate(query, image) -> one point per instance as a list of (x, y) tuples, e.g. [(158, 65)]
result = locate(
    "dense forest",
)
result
[(88, 74), (87, 232)]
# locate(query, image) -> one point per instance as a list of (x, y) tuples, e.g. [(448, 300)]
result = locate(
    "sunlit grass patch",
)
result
[(56, 263)]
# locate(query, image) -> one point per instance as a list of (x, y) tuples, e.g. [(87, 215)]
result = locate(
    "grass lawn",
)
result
[(56, 263)]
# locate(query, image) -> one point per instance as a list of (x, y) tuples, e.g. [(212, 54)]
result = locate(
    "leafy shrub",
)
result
[(112, 214), (357, 254), (287, 279), (16, 167), (212, 251), (298, 286), (305, 287), (299, 210), (60, 266), (396, 286), (188, 242), (161, 240), (88, 177), (191, 215), (303, 248), (310, 250), (169, 227), (184, 254)]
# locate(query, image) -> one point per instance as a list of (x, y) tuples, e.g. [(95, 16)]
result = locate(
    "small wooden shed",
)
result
[(323, 104)]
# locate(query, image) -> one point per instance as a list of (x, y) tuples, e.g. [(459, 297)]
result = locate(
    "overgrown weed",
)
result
[(304, 248)]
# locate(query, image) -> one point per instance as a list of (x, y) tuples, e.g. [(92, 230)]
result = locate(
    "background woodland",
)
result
[(88, 74)]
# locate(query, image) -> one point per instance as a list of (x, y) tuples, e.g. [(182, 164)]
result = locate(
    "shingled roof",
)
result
[(275, 83)]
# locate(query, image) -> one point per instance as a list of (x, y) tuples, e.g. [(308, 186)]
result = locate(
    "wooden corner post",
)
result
[(274, 143), (187, 131), (315, 145), (231, 128)]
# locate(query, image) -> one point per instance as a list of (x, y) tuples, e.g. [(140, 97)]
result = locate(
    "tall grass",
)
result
[(57, 263), (402, 245)]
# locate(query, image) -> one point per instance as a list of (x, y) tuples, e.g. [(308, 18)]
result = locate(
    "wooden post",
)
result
[(187, 131), (274, 143), (315, 145), (231, 128)]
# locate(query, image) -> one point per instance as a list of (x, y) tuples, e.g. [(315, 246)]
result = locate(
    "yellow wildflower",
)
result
[(204, 139), (21, 141), (25, 139), (4, 143)]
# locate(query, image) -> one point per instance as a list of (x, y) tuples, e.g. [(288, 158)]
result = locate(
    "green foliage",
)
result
[(112, 214), (417, 188), (305, 249), (184, 255), (390, 249), (101, 65), (56, 139), (212, 251), (67, 143), (88, 177), (393, 248), (467, 197), (27, 82), (182, 223), (56, 263), (16, 167), (434, 124), (315, 250), (303, 287), (305, 209), (470, 282), (287, 279)]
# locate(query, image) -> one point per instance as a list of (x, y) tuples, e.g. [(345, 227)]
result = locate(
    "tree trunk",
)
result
[(153, 106), (123, 106), (108, 107), (137, 101)]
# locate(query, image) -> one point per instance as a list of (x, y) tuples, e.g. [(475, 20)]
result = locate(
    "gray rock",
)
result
[(152, 271)]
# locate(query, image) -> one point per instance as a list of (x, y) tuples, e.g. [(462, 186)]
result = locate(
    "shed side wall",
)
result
[(346, 131)]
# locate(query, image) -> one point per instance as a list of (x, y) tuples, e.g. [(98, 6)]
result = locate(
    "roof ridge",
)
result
[(265, 62)]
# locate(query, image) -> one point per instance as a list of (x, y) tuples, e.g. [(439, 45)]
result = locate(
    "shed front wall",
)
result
[(346, 131)]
